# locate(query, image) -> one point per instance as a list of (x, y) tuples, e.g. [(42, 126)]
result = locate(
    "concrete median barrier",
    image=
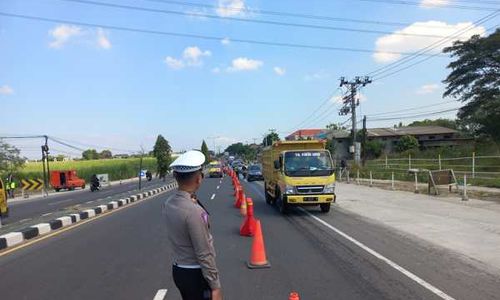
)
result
[(15, 238)]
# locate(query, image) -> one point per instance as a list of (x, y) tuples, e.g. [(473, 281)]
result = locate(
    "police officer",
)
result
[(13, 187), (194, 270)]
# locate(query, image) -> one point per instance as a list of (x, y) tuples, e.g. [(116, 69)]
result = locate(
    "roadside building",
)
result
[(427, 136), (305, 134)]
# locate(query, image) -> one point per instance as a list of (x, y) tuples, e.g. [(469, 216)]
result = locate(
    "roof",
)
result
[(398, 131), (306, 132), (409, 130)]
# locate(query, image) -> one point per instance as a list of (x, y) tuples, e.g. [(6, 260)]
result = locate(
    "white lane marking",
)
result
[(218, 186), (160, 295), (24, 220), (47, 214), (59, 202), (213, 196), (90, 201), (394, 265)]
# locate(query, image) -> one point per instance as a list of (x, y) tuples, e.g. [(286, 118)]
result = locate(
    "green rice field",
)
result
[(116, 168)]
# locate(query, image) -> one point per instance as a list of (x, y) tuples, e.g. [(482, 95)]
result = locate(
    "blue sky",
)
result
[(111, 88)]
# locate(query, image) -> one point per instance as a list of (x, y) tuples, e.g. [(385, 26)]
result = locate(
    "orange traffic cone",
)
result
[(248, 226), (294, 296), (236, 188), (240, 198), (258, 259), (243, 207)]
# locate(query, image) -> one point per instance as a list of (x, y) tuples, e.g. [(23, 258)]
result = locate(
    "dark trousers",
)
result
[(191, 284)]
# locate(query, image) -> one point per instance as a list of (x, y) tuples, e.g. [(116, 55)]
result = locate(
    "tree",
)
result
[(90, 154), (105, 154), (406, 143), (374, 148), (335, 126), (10, 159), (270, 138), (60, 157), (205, 151), (163, 154), (330, 146), (475, 81), (452, 124), (245, 151)]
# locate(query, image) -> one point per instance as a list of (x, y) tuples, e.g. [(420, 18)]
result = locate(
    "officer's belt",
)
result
[(187, 266)]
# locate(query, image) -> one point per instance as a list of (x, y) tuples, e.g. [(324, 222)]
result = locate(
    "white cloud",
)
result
[(279, 71), (62, 34), (6, 90), (405, 43), (102, 39), (225, 41), (173, 63), (193, 55), (228, 8), (434, 3), (244, 64), (427, 89), (216, 70), (320, 75)]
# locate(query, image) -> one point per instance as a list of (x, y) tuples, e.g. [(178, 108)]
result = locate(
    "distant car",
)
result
[(254, 173), (215, 170)]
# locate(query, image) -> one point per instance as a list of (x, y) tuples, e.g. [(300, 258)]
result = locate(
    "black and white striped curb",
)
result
[(14, 238)]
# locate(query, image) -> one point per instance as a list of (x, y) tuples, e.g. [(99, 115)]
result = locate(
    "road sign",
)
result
[(103, 179), (32, 184)]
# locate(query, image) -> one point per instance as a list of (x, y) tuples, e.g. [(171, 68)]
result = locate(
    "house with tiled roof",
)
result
[(305, 134)]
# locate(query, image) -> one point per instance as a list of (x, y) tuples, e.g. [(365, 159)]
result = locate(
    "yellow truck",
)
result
[(4, 209), (298, 173), (215, 169)]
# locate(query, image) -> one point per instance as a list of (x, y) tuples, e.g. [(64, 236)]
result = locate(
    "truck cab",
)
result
[(66, 179), (299, 173)]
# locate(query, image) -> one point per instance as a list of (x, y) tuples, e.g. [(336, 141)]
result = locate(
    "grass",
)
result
[(116, 168)]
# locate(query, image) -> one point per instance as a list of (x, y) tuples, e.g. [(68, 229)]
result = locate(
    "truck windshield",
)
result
[(308, 163)]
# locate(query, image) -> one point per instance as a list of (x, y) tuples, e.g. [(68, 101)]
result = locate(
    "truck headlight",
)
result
[(329, 188), (289, 189)]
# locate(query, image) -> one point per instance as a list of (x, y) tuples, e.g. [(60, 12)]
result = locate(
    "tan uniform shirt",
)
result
[(189, 235)]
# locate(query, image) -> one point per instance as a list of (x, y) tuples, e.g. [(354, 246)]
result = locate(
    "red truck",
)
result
[(66, 179)]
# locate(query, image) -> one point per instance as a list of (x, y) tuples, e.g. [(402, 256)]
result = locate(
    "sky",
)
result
[(83, 79)]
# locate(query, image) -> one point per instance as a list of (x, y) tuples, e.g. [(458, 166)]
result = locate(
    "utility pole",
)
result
[(45, 164), (350, 104), (363, 142)]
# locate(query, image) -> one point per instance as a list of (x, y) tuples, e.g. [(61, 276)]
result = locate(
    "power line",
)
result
[(294, 15), (327, 100), (432, 46), (65, 144), (456, 6), (415, 115), (90, 145), (216, 17), (410, 108), (196, 36)]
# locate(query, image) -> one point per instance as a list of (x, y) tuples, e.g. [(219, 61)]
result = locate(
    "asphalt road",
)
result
[(27, 209), (125, 255)]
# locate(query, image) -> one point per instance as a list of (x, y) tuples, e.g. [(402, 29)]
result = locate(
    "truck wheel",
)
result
[(325, 207), (282, 205), (83, 187), (269, 199), (57, 189)]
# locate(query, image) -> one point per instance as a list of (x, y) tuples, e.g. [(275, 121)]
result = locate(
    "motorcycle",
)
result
[(94, 187)]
